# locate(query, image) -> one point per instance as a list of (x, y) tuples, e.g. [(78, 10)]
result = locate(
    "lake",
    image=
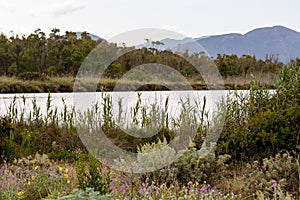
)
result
[(84, 101)]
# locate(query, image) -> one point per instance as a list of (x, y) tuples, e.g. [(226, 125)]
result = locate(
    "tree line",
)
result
[(62, 54), (54, 54)]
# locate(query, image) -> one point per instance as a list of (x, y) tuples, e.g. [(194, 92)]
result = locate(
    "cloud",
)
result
[(68, 7), (7, 8), (60, 8)]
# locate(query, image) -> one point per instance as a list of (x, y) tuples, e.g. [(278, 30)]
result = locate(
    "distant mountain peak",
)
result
[(93, 37), (272, 29), (277, 40)]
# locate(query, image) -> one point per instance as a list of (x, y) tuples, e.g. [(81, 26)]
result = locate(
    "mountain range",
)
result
[(282, 42), (279, 41)]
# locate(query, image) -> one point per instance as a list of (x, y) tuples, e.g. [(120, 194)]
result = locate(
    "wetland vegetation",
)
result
[(256, 156), (42, 156)]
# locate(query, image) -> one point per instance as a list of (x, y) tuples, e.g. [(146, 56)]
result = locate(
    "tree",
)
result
[(5, 59)]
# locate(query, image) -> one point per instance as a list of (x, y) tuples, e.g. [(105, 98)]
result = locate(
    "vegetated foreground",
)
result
[(256, 156)]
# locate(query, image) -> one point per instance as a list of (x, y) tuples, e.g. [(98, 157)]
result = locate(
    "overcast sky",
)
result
[(107, 18)]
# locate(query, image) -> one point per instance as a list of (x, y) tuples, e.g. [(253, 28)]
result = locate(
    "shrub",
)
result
[(29, 76), (51, 71), (268, 177), (190, 165), (14, 144), (262, 124), (93, 176), (114, 71), (88, 193)]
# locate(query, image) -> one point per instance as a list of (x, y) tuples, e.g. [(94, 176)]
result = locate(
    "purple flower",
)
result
[(2, 185), (123, 188)]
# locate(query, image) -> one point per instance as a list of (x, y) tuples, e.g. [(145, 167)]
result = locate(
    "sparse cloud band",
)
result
[(61, 8)]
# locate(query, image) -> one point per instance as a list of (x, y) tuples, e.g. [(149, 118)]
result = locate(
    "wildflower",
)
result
[(204, 182), (123, 188), (20, 193), (67, 170), (36, 167), (196, 183), (68, 181), (28, 133), (60, 169), (28, 183), (32, 177), (66, 176)]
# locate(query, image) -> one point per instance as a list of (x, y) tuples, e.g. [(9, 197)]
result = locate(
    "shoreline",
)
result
[(66, 85)]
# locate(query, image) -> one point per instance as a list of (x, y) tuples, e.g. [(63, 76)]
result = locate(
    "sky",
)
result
[(107, 18)]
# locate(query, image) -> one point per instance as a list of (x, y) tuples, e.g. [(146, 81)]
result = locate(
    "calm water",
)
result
[(84, 101)]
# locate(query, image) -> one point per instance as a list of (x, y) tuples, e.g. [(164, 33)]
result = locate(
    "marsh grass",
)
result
[(66, 84)]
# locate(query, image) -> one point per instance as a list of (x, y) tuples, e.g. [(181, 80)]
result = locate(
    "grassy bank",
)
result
[(256, 157), (66, 84)]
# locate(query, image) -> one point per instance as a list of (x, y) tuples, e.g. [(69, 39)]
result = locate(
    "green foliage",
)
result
[(288, 86), (262, 124), (51, 71), (93, 176), (232, 65), (14, 144), (190, 165), (25, 133), (6, 127), (193, 166), (12, 70), (30, 76), (38, 52), (114, 70), (88, 194), (35, 177), (272, 176)]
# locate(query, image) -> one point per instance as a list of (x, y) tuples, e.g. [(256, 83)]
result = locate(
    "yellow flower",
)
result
[(68, 181), (32, 177), (204, 182), (28, 183), (60, 169), (20, 193), (36, 167), (67, 170), (66, 176), (196, 183)]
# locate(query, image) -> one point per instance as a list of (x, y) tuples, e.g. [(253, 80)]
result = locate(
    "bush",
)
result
[(262, 124), (190, 165), (51, 71), (88, 193), (29, 76), (6, 127), (114, 71), (14, 144), (93, 175), (270, 176)]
